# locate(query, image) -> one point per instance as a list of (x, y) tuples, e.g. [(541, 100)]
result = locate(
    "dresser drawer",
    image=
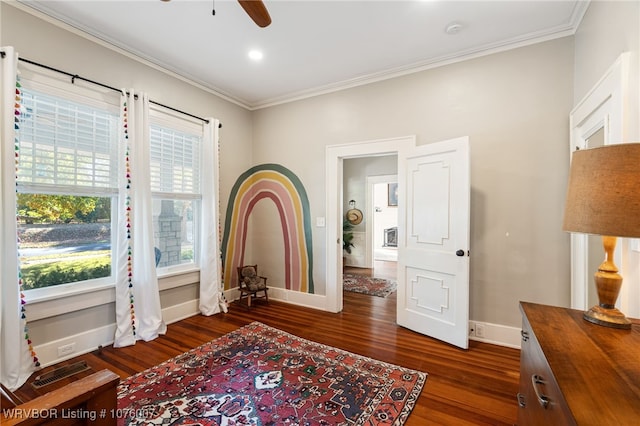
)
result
[(589, 374), (540, 399)]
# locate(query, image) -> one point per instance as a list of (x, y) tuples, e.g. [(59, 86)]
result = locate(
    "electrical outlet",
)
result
[(66, 349), (472, 328), (480, 330)]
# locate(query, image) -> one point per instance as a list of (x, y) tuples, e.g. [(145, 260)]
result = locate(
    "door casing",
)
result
[(335, 154)]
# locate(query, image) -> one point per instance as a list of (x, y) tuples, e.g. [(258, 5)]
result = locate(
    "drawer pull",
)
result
[(521, 400), (542, 399), (525, 335)]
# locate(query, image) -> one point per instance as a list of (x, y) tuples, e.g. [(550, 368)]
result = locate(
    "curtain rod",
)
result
[(75, 77)]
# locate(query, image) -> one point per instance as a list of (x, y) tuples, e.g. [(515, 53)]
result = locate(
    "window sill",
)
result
[(178, 278), (40, 295), (43, 304), (41, 307)]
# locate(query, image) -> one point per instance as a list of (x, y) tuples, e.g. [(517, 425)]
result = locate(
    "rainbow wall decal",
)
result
[(280, 185)]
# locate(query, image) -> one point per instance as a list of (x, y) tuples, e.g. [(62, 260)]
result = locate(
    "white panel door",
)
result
[(433, 240)]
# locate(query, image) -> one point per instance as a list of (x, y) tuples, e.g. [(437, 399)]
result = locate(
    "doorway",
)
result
[(433, 264), (369, 185), (371, 180), (337, 156)]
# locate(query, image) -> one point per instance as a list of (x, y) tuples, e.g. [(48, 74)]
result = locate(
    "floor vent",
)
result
[(59, 374)]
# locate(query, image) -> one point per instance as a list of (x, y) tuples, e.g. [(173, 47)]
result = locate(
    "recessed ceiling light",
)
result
[(255, 55)]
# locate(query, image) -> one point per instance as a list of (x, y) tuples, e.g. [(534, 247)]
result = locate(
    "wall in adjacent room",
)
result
[(355, 173)]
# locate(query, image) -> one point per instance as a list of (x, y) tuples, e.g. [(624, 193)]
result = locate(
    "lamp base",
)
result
[(608, 317)]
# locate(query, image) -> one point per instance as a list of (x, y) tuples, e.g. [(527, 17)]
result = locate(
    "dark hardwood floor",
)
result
[(477, 386)]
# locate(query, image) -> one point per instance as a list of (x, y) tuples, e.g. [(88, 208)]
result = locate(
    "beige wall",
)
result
[(608, 29), (514, 106)]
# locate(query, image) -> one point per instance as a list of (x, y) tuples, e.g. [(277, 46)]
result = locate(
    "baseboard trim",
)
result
[(91, 340), (181, 311), (82, 343), (497, 334), (297, 298), (288, 296)]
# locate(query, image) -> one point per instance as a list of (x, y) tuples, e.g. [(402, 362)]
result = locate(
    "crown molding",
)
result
[(567, 29)]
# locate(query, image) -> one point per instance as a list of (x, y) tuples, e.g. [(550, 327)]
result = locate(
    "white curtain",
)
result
[(211, 298), (138, 310), (17, 358)]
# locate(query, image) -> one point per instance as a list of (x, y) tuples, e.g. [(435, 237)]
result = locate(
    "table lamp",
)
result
[(603, 198)]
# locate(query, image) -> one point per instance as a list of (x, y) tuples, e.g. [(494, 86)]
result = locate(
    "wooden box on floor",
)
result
[(91, 400)]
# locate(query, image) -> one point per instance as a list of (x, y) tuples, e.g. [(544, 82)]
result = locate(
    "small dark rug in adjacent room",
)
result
[(259, 375), (368, 285)]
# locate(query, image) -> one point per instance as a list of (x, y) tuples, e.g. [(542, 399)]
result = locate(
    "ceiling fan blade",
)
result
[(257, 11)]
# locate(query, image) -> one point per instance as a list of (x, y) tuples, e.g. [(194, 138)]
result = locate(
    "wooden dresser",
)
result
[(573, 372)]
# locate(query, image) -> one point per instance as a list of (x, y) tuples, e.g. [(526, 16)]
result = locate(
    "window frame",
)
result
[(166, 118), (54, 85)]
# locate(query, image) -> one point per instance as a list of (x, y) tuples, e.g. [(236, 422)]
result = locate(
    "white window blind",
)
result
[(65, 143), (175, 161)]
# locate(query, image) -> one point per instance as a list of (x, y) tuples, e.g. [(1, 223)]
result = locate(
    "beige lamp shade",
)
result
[(603, 195)]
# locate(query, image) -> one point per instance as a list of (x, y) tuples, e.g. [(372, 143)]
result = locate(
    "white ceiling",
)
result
[(311, 47)]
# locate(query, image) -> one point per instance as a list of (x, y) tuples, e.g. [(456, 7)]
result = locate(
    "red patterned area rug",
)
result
[(367, 285), (259, 375)]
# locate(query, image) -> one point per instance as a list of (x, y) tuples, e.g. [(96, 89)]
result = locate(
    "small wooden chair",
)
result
[(250, 284)]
